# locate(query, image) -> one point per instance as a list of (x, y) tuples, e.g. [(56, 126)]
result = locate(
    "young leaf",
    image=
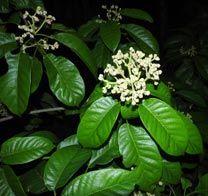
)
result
[(15, 84), (7, 43), (78, 47), (136, 13), (171, 172), (110, 34), (9, 183), (202, 187), (105, 182), (70, 159), (165, 126), (19, 150), (98, 120), (142, 37), (107, 153), (64, 79), (195, 144), (138, 149)]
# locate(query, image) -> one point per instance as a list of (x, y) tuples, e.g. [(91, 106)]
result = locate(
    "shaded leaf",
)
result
[(202, 187), (69, 141), (136, 13), (98, 120), (64, 79), (110, 34)]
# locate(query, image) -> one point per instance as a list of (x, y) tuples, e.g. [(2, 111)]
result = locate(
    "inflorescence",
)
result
[(112, 14), (33, 24), (129, 74)]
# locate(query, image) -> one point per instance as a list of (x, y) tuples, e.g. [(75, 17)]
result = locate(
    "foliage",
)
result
[(122, 145)]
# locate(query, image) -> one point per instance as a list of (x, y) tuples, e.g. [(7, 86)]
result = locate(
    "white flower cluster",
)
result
[(129, 75), (112, 14), (33, 24), (189, 52)]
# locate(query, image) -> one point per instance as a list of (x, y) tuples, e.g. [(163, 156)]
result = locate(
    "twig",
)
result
[(35, 112)]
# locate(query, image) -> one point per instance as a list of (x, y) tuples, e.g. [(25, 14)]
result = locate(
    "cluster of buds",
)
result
[(189, 52), (112, 14), (32, 26), (171, 86), (128, 75)]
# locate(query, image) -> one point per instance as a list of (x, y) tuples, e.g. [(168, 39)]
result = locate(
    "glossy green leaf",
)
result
[(9, 183), (195, 144), (64, 79), (47, 134), (7, 43), (102, 54), (161, 91), (69, 141), (61, 27), (70, 159), (172, 172), (138, 149), (97, 122), (165, 126), (202, 187), (136, 13), (143, 37), (192, 96), (19, 150), (107, 153), (110, 34), (15, 84), (32, 180), (78, 47), (105, 182), (36, 74)]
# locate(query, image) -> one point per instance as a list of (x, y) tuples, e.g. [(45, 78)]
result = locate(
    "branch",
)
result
[(35, 112)]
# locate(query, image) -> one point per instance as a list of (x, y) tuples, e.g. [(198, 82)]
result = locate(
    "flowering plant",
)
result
[(127, 127)]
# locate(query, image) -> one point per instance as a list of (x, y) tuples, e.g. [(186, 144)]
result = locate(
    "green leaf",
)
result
[(201, 64), (19, 150), (70, 159), (97, 122), (5, 189), (142, 37), (171, 172), (7, 43), (26, 4), (138, 149), (69, 141), (9, 183), (102, 54), (36, 74), (193, 97), (15, 84), (110, 34), (107, 153), (165, 126), (13, 181), (186, 183), (32, 180), (79, 48), (161, 91), (86, 31), (104, 182), (136, 13), (4, 8), (64, 79), (195, 144), (202, 187), (62, 27)]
